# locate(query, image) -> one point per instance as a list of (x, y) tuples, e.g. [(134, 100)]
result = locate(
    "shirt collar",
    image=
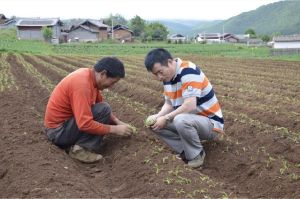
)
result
[(92, 74), (178, 63)]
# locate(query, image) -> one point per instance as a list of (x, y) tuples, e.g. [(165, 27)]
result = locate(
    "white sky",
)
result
[(146, 9)]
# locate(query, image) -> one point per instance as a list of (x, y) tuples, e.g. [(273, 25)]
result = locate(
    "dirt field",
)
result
[(258, 158)]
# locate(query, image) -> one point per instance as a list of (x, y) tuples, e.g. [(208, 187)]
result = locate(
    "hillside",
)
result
[(282, 17)]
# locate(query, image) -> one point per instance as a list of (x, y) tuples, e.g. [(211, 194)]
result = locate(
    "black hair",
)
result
[(113, 66), (158, 55)]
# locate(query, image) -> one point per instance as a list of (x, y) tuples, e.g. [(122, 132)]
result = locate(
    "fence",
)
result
[(285, 51)]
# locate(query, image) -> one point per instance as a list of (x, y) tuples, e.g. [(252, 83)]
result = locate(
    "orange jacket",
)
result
[(74, 97)]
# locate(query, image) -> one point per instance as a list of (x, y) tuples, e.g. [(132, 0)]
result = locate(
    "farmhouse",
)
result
[(88, 30), (286, 41), (216, 38), (7, 23), (32, 28), (121, 33), (177, 38), (2, 18)]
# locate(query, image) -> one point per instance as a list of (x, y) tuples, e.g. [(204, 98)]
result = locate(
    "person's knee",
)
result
[(181, 121), (102, 107)]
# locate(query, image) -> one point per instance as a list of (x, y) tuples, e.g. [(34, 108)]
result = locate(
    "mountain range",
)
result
[(282, 17)]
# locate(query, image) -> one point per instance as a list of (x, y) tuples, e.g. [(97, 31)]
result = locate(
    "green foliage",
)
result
[(47, 33), (8, 34), (266, 38), (282, 16), (156, 31), (117, 19), (251, 32), (137, 25)]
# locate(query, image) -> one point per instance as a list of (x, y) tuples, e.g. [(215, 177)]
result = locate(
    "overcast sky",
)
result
[(147, 9)]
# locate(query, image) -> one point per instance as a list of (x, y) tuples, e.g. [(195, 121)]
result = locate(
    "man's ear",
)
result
[(104, 72), (170, 62)]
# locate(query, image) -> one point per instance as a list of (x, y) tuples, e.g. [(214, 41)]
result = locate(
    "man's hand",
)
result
[(160, 123), (121, 129)]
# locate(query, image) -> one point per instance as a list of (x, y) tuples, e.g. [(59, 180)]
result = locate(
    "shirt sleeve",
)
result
[(193, 83), (81, 107)]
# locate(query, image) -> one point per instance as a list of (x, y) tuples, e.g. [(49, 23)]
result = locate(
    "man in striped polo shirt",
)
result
[(191, 111)]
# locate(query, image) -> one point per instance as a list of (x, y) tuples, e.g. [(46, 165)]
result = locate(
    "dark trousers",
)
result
[(68, 134)]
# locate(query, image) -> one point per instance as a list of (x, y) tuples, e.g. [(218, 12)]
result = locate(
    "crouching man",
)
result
[(191, 111), (76, 116)]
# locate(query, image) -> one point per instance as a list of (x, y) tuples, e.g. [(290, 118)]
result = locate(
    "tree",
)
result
[(47, 33), (137, 25), (251, 32), (117, 20), (156, 31), (266, 38)]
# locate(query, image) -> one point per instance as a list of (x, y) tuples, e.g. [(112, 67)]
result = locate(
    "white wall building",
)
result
[(286, 41)]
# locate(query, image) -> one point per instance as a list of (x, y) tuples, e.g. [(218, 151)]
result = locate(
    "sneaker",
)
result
[(83, 155), (198, 160), (182, 157)]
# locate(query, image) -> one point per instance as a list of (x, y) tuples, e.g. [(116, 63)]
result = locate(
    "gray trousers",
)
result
[(68, 134), (185, 132)]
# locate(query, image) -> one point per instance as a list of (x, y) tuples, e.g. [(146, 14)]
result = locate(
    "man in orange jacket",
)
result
[(76, 116)]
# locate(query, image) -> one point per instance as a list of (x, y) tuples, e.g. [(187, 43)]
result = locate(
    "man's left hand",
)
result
[(160, 123)]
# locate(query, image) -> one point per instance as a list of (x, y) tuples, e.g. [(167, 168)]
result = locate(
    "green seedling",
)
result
[(147, 160), (179, 191), (284, 167), (134, 129), (157, 169), (164, 160), (168, 181)]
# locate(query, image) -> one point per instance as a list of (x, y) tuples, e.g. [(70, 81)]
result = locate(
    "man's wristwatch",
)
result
[(168, 118)]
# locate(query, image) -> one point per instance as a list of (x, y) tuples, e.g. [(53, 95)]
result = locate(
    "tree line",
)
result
[(146, 31)]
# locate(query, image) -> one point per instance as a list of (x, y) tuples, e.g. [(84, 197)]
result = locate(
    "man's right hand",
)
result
[(121, 129)]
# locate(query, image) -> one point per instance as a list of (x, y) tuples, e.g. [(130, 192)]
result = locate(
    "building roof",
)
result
[(176, 35), (98, 23), (216, 36), (284, 38), (38, 22), (121, 27), (86, 28), (2, 16)]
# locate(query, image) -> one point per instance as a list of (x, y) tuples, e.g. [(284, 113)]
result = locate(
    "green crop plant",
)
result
[(181, 180), (168, 181), (147, 160), (294, 177), (157, 169), (179, 191), (149, 121), (157, 150), (133, 128), (43, 81), (284, 167), (175, 172), (270, 160), (164, 159)]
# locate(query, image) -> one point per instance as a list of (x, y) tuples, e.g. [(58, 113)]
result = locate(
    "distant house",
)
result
[(121, 33), (88, 30), (286, 41), (7, 23), (32, 28), (177, 38), (216, 38), (2, 18)]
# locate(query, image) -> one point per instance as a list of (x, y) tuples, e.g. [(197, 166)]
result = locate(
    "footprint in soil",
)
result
[(3, 172)]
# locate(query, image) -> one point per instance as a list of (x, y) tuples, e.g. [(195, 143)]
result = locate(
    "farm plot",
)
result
[(259, 156)]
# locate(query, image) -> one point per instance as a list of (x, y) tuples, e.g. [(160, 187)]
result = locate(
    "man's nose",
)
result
[(160, 77)]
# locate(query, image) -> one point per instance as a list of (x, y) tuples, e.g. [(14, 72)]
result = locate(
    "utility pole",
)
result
[(223, 33), (112, 28)]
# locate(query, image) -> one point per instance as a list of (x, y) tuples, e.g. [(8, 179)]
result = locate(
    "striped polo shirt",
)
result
[(190, 81)]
